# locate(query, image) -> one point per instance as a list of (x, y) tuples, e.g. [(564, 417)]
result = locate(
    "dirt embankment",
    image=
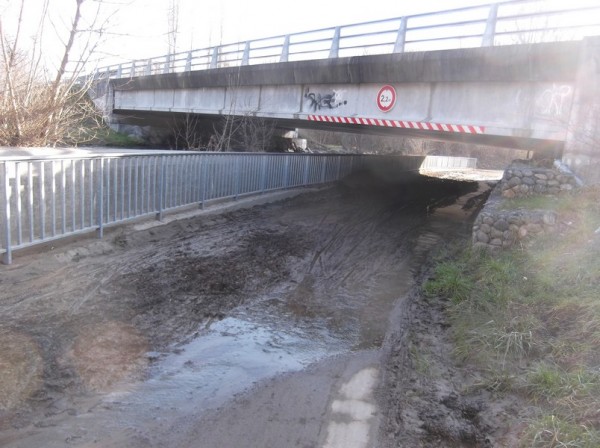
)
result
[(90, 317)]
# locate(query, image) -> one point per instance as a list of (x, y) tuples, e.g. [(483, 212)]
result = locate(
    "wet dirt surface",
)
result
[(242, 329)]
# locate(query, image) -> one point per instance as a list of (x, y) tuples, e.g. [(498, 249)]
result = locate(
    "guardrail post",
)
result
[(214, 60), (401, 37), (119, 71), (204, 161), (237, 177), (161, 187), (246, 55), (100, 230), (263, 175), (149, 67), (188, 62), (335, 44), (285, 50), (490, 27), (7, 257), (306, 166), (167, 68), (286, 172)]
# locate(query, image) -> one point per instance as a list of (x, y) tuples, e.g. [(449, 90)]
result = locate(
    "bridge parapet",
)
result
[(503, 23)]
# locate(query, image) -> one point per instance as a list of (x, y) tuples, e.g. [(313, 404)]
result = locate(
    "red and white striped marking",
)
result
[(421, 125)]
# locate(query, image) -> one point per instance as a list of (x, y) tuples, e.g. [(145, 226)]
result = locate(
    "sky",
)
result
[(206, 23), (137, 29)]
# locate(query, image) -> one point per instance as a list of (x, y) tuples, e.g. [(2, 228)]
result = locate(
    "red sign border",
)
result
[(392, 104)]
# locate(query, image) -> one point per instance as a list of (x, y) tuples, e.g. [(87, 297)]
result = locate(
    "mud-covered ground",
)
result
[(133, 340)]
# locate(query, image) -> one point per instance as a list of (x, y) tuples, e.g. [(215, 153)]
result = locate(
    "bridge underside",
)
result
[(549, 148)]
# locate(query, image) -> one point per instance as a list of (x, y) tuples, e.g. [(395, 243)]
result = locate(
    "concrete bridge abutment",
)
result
[(582, 145)]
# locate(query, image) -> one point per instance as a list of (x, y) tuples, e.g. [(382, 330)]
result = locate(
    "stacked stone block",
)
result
[(500, 229), (496, 228), (519, 181)]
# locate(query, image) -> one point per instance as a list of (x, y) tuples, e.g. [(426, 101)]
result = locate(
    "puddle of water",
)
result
[(232, 356), (228, 358)]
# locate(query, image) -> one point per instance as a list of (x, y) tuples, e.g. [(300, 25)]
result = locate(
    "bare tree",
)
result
[(41, 106), (186, 133)]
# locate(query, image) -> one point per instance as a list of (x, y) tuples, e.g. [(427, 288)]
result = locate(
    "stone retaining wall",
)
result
[(496, 228), (500, 229), (521, 179)]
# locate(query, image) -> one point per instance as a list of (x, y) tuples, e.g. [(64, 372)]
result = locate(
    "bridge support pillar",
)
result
[(582, 146)]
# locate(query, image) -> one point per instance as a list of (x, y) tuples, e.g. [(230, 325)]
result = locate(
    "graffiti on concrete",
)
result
[(317, 101), (554, 99)]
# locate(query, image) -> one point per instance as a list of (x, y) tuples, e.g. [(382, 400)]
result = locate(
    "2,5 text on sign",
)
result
[(386, 98)]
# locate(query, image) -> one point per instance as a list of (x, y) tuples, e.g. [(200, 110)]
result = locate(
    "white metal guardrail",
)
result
[(444, 163), (502, 23), (47, 199)]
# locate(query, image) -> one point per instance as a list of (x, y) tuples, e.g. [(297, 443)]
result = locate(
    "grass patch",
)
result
[(449, 281), (530, 321), (534, 202), (555, 432), (551, 381), (105, 136)]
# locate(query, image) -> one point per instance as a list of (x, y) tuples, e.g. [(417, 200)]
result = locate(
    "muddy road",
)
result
[(260, 327)]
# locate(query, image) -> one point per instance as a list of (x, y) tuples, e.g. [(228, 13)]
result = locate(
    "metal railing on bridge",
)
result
[(51, 198), (503, 23)]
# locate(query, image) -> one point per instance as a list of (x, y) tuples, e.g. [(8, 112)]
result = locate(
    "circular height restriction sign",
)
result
[(386, 98)]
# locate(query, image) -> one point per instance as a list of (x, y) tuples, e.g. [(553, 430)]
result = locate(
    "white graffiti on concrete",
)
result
[(554, 99)]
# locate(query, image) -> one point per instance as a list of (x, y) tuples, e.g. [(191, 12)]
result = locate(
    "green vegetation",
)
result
[(104, 136), (529, 321)]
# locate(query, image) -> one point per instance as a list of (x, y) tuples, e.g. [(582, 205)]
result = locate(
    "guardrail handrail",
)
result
[(501, 23), (47, 199)]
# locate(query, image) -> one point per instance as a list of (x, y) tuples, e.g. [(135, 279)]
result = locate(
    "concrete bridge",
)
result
[(542, 96)]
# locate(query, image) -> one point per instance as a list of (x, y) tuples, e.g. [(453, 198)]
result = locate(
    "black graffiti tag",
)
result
[(328, 101)]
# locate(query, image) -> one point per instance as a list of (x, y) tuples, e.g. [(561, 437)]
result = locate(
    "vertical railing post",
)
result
[(188, 62), (286, 172), (237, 177), (167, 68), (490, 27), (42, 194), (30, 200), (335, 44), (53, 198), (149, 67), (203, 180), (246, 55), (100, 230), (161, 187), (19, 215), (7, 257), (214, 60), (401, 37), (119, 71), (285, 50), (263, 174), (306, 167)]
